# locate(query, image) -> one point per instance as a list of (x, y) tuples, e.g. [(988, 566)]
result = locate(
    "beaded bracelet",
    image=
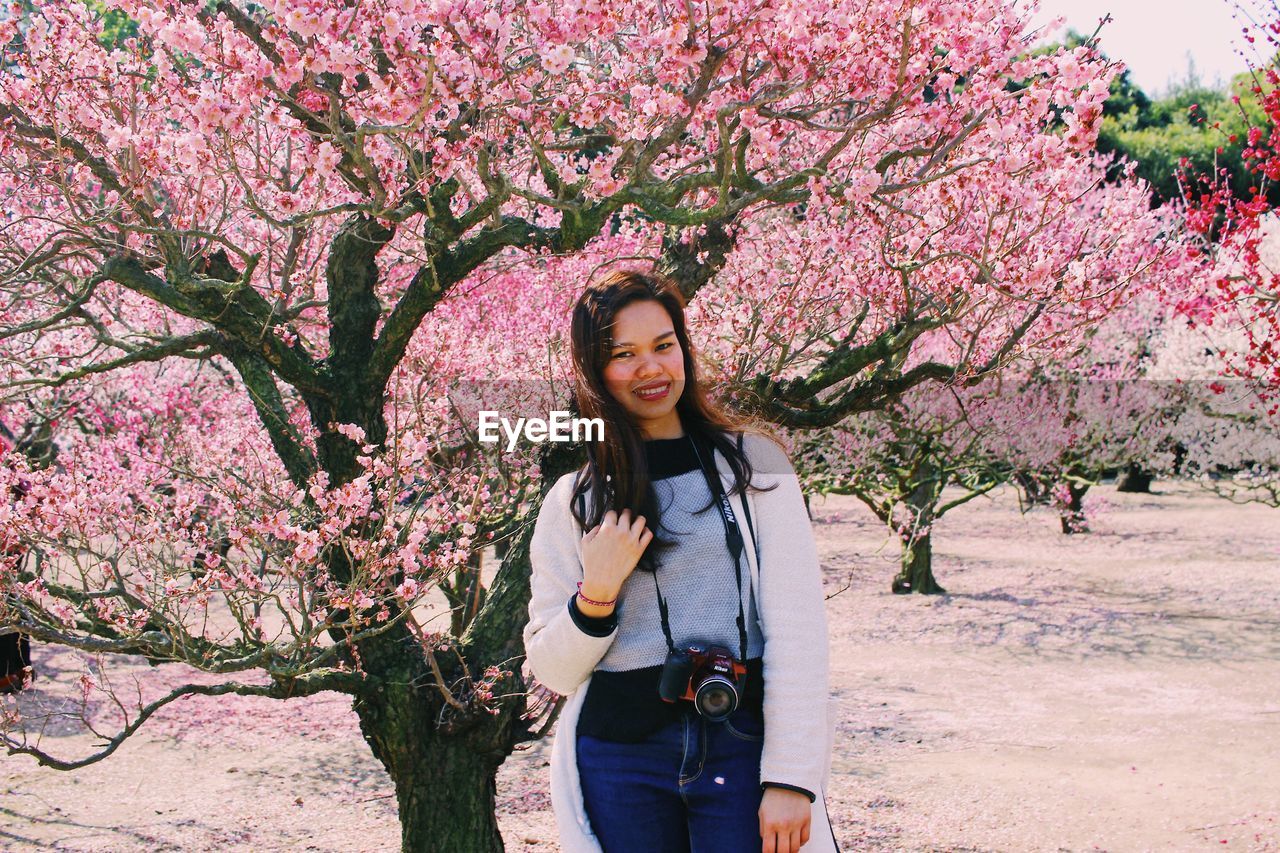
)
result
[(595, 603)]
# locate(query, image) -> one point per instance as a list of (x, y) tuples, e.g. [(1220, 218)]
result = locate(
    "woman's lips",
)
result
[(657, 393)]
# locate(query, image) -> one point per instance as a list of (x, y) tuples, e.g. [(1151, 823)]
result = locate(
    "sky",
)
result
[(1155, 37)]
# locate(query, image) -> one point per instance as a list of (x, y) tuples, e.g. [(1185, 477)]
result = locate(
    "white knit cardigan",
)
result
[(799, 715)]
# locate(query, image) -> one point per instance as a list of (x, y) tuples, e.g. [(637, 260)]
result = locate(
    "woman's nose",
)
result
[(647, 367)]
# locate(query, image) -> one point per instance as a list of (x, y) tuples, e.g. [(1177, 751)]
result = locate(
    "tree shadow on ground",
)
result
[(1084, 623), (88, 835)]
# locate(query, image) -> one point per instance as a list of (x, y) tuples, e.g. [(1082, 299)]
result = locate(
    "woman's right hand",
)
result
[(610, 552)]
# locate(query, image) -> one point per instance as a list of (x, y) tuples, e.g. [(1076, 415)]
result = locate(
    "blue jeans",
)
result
[(692, 787)]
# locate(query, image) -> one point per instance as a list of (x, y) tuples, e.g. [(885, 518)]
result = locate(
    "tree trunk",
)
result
[(420, 708), (916, 574), (449, 803), (442, 752), (445, 789), (1034, 491), (1072, 514), (443, 759), (1135, 479)]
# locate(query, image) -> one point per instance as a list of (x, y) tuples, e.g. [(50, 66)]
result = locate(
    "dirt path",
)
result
[(1117, 691)]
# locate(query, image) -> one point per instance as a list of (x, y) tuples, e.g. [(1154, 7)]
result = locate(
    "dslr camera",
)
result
[(709, 676)]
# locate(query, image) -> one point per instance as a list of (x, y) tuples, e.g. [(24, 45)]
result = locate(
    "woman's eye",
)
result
[(619, 354)]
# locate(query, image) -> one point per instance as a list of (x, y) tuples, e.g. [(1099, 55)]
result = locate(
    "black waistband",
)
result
[(624, 707)]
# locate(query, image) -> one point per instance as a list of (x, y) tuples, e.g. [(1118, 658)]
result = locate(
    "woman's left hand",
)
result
[(784, 820)]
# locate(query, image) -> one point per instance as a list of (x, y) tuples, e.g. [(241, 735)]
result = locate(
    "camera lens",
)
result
[(716, 698)]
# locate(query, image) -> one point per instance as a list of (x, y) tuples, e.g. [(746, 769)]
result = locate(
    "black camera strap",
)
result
[(734, 541)]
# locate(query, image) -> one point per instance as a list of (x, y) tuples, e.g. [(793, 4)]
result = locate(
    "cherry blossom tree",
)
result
[(1102, 408), (900, 459), (266, 261), (1105, 248), (1220, 434)]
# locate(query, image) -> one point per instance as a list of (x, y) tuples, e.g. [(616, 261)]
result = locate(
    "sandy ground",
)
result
[(1116, 691)]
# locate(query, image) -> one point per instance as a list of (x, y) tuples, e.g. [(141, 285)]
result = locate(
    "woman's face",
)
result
[(645, 368)]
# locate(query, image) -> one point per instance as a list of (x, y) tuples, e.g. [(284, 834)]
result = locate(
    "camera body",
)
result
[(708, 676)]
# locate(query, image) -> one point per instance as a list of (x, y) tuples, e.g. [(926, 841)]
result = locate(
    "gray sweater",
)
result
[(696, 578)]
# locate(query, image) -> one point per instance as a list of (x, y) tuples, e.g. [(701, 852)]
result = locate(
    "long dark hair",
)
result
[(621, 455)]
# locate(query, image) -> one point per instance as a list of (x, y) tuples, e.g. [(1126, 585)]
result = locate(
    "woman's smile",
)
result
[(653, 392)]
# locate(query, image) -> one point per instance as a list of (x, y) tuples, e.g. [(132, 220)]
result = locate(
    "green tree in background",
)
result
[(1194, 130)]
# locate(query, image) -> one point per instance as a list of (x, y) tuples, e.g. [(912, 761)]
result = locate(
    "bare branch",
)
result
[(184, 346), (308, 685)]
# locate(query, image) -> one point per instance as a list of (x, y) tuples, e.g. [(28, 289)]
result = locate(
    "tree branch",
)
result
[(299, 461), (232, 307), (449, 267), (77, 301), (307, 685), (184, 346), (861, 397)]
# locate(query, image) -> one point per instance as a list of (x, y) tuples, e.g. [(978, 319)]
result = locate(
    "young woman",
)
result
[(657, 749)]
